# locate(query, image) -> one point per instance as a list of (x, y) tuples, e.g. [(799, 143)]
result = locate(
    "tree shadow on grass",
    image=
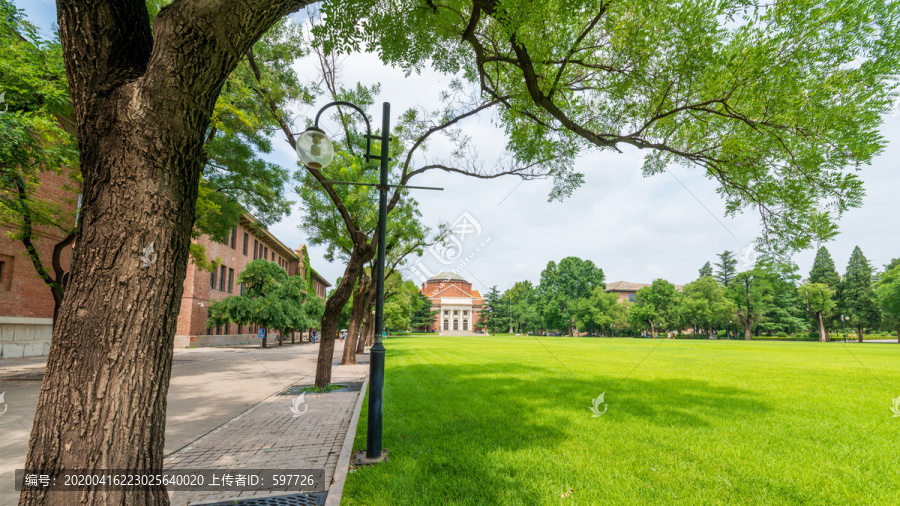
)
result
[(460, 433)]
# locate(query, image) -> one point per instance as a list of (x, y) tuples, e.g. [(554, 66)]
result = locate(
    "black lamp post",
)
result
[(317, 152), (844, 327)]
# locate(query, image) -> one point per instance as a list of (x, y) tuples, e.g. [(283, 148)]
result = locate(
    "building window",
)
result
[(242, 288), (465, 324), (233, 236), (455, 324), (466, 313), (212, 280), (273, 256), (255, 248), (446, 312), (6, 264), (246, 242), (630, 297), (240, 329), (230, 279), (446, 325), (265, 253), (208, 331), (456, 312), (222, 279)]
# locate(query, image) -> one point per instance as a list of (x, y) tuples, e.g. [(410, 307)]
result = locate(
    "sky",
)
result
[(636, 229)]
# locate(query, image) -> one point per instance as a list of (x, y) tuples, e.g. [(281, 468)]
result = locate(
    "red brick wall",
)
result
[(197, 291), (22, 292)]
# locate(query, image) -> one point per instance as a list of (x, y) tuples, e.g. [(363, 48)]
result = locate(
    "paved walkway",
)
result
[(270, 436), (210, 388)]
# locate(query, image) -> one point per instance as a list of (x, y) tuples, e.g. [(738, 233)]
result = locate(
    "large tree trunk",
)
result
[(142, 105), (748, 331), (859, 334), (823, 336), (356, 315)]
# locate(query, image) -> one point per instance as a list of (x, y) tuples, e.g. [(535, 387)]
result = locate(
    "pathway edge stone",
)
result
[(336, 490)]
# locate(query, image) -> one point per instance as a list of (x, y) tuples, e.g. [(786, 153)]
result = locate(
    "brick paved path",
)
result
[(269, 436)]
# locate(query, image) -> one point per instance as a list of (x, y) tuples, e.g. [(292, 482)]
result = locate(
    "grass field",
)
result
[(506, 420)]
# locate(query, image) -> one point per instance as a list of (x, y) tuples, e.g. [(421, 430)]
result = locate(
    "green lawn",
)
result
[(499, 420)]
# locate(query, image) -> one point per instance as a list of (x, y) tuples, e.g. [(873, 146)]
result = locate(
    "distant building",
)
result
[(458, 305), (626, 290)]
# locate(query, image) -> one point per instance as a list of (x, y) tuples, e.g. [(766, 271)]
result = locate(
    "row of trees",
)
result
[(271, 299), (767, 298)]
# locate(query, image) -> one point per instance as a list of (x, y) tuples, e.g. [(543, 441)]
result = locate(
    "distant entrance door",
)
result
[(465, 324), (455, 324), (446, 325)]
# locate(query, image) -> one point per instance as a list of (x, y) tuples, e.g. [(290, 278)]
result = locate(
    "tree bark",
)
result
[(361, 253), (859, 334), (361, 342), (748, 330), (369, 328), (142, 104), (356, 316)]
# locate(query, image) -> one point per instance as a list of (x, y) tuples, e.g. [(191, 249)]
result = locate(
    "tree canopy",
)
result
[(779, 103)]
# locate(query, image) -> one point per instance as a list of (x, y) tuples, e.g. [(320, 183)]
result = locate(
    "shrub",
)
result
[(814, 335), (781, 334)]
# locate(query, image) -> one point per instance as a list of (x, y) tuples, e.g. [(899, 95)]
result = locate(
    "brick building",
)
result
[(26, 305), (458, 305), (626, 290), (247, 242)]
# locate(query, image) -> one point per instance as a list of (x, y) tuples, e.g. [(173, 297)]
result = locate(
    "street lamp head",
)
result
[(314, 149)]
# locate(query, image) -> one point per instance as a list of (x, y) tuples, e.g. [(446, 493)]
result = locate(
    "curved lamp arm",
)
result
[(361, 112)]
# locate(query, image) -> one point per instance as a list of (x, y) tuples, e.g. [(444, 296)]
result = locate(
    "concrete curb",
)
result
[(336, 490)]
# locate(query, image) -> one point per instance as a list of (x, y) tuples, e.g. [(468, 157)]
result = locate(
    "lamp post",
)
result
[(316, 151), (844, 327)]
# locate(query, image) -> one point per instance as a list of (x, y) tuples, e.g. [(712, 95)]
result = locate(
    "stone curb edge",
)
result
[(336, 490)]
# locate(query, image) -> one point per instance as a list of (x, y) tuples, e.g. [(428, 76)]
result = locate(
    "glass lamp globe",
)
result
[(314, 149)]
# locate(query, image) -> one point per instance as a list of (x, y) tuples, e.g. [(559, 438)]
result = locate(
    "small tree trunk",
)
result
[(823, 337), (361, 341), (652, 329), (859, 334), (358, 256), (748, 331), (356, 316), (265, 337)]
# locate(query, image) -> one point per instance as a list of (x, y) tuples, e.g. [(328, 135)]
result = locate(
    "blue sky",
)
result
[(634, 228)]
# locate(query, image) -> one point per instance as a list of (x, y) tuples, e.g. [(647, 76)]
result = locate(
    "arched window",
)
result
[(455, 324), (446, 325), (465, 324)]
